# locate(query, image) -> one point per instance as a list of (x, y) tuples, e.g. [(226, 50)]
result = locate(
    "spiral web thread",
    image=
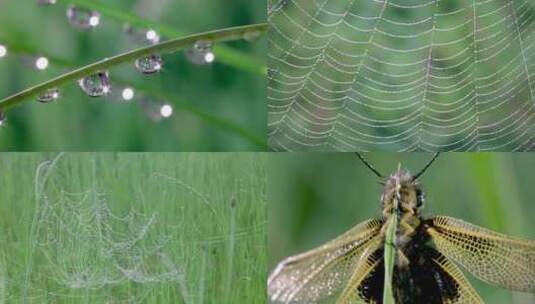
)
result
[(401, 75)]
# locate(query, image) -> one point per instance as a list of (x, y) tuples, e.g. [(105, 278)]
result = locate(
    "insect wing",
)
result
[(465, 293), (357, 285), (322, 272), (492, 257)]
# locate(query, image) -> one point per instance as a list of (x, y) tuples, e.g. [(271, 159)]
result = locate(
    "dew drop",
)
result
[(141, 35), (166, 110), (83, 18), (128, 94), (3, 51), (152, 36), (156, 111), (201, 52), (150, 64), (96, 85), (46, 2), (49, 96), (3, 119), (41, 63)]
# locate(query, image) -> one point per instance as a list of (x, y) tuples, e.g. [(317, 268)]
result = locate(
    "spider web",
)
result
[(401, 75), (87, 246)]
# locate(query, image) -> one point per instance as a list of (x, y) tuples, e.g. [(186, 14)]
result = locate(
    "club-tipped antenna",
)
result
[(365, 162), (426, 167)]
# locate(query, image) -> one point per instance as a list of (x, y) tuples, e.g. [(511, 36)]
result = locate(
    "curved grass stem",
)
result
[(170, 46), (225, 54)]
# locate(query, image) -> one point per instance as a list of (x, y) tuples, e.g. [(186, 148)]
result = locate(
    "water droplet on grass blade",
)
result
[(40, 63), (3, 119), (201, 52), (49, 96), (3, 51), (152, 36), (128, 94), (150, 64), (156, 111), (141, 35), (46, 2), (83, 18), (166, 111), (96, 85)]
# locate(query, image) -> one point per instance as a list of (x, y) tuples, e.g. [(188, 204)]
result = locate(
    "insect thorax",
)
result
[(403, 192)]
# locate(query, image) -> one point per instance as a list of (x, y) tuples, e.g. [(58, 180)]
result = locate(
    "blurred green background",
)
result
[(315, 197), (206, 98), (209, 223)]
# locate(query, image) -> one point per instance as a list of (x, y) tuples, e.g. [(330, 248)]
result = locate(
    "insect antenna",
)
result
[(426, 167), (365, 162)]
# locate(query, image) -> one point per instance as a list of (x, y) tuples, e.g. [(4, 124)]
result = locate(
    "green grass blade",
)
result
[(390, 255), (179, 103), (231, 249), (229, 34), (224, 54)]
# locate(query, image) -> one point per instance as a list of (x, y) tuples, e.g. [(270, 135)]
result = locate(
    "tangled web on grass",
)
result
[(402, 75), (87, 246)]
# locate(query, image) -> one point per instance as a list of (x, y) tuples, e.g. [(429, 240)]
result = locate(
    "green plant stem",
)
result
[(178, 103), (390, 255), (224, 54), (234, 33)]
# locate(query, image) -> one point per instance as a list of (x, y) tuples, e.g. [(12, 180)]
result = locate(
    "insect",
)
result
[(351, 268)]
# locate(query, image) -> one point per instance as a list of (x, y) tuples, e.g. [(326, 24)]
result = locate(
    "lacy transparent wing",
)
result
[(322, 272), (492, 257), (366, 265), (466, 293)]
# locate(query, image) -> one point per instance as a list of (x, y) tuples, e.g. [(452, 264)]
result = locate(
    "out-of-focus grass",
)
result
[(220, 249), (315, 197), (229, 92)]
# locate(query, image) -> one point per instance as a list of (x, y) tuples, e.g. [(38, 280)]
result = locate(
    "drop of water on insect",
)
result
[(201, 52), (49, 96), (96, 85), (3, 51), (83, 18), (150, 64)]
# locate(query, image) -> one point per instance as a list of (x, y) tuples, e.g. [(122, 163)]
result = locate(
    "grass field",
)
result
[(132, 228), (317, 196)]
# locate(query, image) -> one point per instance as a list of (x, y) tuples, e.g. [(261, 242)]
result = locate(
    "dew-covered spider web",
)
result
[(86, 246), (402, 75)]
